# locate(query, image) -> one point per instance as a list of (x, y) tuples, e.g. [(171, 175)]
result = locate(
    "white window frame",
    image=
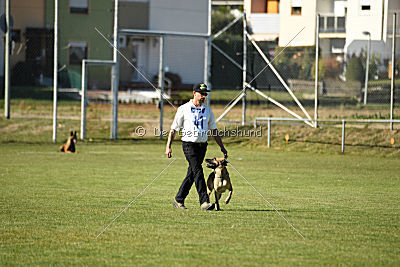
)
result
[(78, 6), (77, 44), (365, 3), (296, 4)]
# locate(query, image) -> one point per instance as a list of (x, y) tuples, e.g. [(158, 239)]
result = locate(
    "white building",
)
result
[(263, 18), (343, 23), (371, 18), (183, 56)]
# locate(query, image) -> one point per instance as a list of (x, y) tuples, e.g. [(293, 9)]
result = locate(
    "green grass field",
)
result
[(53, 205)]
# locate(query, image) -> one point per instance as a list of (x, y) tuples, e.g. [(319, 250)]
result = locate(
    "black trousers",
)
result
[(194, 153)]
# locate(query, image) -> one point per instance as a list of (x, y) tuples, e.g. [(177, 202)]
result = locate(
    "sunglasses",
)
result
[(203, 93)]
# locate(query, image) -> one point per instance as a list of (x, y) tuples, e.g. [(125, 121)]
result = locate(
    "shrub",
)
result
[(355, 70)]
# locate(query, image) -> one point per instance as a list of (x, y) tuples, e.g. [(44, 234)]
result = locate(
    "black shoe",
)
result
[(178, 205), (207, 206)]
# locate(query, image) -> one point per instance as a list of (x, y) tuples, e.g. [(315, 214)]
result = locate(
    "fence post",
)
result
[(115, 77), (316, 72), (244, 73), (343, 134), (55, 71), (269, 133), (83, 101), (7, 63), (161, 83), (393, 71)]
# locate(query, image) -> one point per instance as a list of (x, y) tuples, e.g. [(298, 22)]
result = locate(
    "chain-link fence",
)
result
[(341, 76), (271, 69), (350, 88)]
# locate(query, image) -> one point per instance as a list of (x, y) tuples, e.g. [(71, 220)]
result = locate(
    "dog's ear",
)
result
[(71, 133), (224, 162), (211, 163)]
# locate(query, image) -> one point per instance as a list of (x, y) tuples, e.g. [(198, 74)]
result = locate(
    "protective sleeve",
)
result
[(211, 122), (178, 120)]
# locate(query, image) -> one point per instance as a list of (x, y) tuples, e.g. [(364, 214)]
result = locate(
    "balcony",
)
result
[(264, 24), (332, 24)]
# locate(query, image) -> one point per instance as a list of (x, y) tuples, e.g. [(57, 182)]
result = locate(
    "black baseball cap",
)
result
[(200, 87)]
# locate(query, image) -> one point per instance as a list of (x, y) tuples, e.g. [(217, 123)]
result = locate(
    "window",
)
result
[(77, 52), (296, 10), (265, 6), (272, 7), (296, 7), (365, 7), (16, 35), (79, 6)]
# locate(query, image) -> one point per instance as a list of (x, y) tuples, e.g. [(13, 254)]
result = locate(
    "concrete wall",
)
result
[(359, 21), (184, 56), (290, 24), (325, 6), (134, 15)]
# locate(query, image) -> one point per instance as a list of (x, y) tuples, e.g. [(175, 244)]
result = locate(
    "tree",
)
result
[(296, 62), (374, 61), (220, 18), (321, 69), (333, 68), (355, 70)]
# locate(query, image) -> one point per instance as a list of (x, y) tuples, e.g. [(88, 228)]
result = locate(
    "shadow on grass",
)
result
[(35, 93), (92, 141), (253, 210), (339, 144)]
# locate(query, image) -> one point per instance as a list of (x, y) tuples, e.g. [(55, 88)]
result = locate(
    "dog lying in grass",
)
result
[(218, 180), (69, 146)]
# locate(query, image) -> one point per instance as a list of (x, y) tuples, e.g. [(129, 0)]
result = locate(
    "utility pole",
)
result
[(55, 71), (115, 77)]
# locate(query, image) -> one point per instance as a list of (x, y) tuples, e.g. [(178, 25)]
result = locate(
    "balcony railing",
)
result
[(332, 24), (264, 23)]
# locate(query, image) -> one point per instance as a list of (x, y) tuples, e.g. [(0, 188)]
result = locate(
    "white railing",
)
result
[(332, 123), (264, 23), (332, 24)]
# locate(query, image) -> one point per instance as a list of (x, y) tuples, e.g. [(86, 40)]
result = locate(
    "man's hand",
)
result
[(217, 138), (168, 152)]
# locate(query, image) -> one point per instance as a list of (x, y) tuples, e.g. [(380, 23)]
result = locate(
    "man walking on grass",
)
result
[(196, 120)]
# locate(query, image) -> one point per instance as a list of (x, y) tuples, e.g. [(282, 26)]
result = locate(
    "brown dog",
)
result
[(69, 146), (219, 180)]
